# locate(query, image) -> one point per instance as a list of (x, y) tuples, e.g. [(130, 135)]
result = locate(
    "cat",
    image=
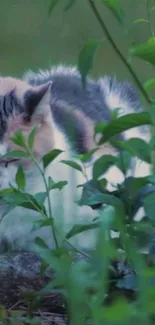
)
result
[(66, 114)]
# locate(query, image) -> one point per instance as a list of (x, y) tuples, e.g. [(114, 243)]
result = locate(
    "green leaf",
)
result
[(104, 198), (120, 311), (145, 51), (18, 198), (152, 114), (50, 156), (94, 186), (141, 232), (151, 178), (153, 8), (87, 156), (72, 164), (19, 139), (31, 137), (52, 5), (149, 203), (6, 191), (138, 148), (92, 196), (50, 182), (69, 4), (40, 197), (30, 205), (122, 124), (99, 127), (123, 161), (40, 242), (115, 8), (115, 114), (77, 229), (102, 164), (20, 178), (137, 21), (152, 143), (129, 194), (43, 223), (16, 154), (58, 185), (149, 84), (86, 57)]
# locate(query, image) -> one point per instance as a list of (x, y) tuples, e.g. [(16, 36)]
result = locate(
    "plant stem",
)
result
[(76, 249), (126, 63), (153, 37), (50, 209), (48, 193), (149, 19), (119, 53)]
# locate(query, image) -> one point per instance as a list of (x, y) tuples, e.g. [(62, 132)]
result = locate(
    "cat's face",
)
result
[(21, 108)]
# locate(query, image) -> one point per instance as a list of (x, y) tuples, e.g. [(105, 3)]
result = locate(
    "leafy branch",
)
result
[(116, 49)]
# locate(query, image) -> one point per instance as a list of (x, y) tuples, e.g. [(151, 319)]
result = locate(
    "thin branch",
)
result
[(116, 49)]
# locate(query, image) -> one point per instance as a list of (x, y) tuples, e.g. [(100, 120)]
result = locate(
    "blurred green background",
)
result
[(29, 38)]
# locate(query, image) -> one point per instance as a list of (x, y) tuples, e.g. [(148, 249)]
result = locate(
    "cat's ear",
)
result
[(37, 102)]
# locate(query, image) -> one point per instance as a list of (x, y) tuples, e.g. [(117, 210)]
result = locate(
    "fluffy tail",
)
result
[(124, 96), (120, 95)]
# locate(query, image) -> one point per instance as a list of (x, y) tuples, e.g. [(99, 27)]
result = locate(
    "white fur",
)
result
[(49, 73)]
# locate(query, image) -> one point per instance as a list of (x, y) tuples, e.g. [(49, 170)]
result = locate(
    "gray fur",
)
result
[(93, 100), (67, 85)]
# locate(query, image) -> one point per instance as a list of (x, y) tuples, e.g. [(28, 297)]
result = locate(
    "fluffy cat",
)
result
[(65, 114)]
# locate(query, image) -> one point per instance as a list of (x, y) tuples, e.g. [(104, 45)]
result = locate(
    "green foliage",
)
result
[(145, 51), (20, 178), (72, 164), (137, 148), (19, 139), (149, 84), (113, 284), (59, 185), (52, 5), (102, 164), (16, 154), (77, 229), (86, 57), (142, 20), (31, 137), (69, 4), (49, 157), (115, 8), (87, 156), (149, 206), (122, 124)]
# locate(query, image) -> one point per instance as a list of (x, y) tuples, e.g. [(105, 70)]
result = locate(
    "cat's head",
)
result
[(21, 108)]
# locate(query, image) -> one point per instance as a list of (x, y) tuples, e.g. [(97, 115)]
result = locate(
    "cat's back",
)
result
[(67, 86)]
